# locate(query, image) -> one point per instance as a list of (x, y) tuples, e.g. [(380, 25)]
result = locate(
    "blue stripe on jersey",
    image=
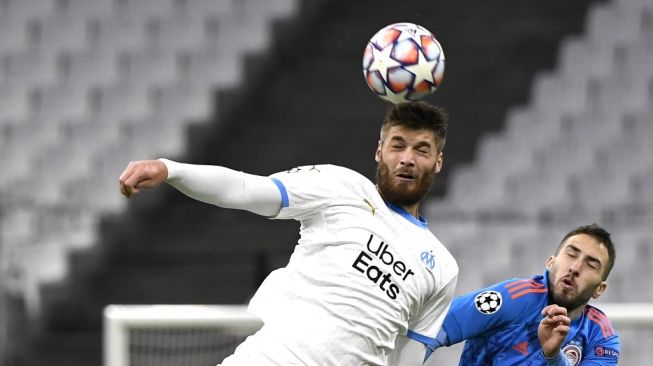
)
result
[(421, 222), (427, 341), (282, 190)]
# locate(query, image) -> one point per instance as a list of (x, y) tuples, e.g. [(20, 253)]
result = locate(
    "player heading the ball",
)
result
[(368, 283)]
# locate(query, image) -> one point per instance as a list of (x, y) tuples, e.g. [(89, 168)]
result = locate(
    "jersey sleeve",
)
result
[(424, 327), (603, 353), (605, 343), (305, 190), (478, 312)]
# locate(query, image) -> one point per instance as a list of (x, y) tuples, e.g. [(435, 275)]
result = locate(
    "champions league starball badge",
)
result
[(488, 302)]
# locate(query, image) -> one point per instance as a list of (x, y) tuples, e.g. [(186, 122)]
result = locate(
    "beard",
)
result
[(568, 301), (400, 192)]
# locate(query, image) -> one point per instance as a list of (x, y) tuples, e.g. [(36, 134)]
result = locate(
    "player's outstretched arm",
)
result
[(216, 185), (552, 331)]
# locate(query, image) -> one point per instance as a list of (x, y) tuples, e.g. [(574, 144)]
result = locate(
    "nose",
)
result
[(575, 267), (408, 158)]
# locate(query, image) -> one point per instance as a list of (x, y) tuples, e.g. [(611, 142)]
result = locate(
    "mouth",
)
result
[(406, 176), (568, 283)]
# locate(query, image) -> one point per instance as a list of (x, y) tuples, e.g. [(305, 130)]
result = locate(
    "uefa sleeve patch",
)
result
[(488, 302), (606, 352)]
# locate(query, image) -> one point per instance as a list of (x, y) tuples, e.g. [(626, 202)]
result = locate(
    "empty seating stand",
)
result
[(578, 152)]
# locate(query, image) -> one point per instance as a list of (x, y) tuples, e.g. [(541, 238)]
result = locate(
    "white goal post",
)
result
[(234, 320), (120, 320)]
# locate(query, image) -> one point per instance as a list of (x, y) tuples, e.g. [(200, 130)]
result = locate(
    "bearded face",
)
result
[(567, 293), (403, 186), (407, 162), (576, 272)]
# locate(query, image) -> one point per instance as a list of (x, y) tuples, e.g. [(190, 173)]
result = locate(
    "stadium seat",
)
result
[(23, 10)]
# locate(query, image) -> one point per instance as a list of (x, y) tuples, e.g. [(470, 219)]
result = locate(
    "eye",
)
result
[(593, 265)]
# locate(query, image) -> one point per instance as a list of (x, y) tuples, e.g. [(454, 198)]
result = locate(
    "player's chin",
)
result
[(566, 299)]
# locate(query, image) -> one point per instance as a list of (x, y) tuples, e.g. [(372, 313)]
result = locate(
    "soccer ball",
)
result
[(403, 62), (488, 302)]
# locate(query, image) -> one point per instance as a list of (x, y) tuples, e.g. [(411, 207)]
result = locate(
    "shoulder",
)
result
[(324, 171), (513, 299), (520, 297), (599, 324), (525, 289), (343, 172)]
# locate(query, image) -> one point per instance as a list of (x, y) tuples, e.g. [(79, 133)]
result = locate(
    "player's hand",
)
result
[(553, 329), (142, 174)]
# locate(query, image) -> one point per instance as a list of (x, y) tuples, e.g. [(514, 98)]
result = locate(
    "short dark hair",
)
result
[(601, 235), (418, 116)]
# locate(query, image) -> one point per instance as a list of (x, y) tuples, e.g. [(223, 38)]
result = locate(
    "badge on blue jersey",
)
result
[(573, 353), (606, 352), (488, 302)]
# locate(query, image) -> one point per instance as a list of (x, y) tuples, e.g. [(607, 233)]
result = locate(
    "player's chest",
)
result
[(521, 346), (403, 266)]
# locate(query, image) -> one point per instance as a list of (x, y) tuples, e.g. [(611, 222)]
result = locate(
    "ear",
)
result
[(600, 289), (549, 261), (438, 163), (377, 154)]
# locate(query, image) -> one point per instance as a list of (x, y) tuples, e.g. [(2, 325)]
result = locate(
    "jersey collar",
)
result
[(419, 221)]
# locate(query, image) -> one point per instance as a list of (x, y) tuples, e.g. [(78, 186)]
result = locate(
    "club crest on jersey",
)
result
[(573, 353), (428, 258), (488, 302)]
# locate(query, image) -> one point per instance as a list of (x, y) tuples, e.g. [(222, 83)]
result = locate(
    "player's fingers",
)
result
[(561, 329), (138, 176), (145, 183), (125, 183), (128, 171), (557, 319), (123, 190), (554, 310), (546, 309), (132, 175)]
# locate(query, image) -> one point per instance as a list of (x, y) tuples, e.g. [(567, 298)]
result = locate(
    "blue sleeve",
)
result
[(603, 353), (557, 360), (479, 312)]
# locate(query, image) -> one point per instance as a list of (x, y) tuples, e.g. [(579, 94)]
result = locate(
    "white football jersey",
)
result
[(364, 271)]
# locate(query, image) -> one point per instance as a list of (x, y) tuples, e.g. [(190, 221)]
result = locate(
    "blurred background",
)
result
[(551, 127)]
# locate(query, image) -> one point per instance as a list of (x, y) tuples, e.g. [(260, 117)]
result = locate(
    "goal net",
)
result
[(179, 335), (194, 335)]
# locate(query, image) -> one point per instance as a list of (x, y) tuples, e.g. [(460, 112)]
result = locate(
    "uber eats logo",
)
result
[(379, 253)]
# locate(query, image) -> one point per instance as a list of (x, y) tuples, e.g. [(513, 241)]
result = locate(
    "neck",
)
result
[(575, 313), (412, 209)]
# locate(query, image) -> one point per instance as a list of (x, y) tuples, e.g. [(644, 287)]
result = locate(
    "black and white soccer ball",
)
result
[(488, 302)]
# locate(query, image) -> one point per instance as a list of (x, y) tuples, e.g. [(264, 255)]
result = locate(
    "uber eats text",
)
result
[(380, 250)]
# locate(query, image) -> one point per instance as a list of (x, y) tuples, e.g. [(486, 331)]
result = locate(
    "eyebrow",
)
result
[(589, 257), (419, 144)]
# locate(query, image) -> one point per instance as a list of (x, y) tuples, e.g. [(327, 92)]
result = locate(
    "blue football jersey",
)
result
[(499, 324)]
